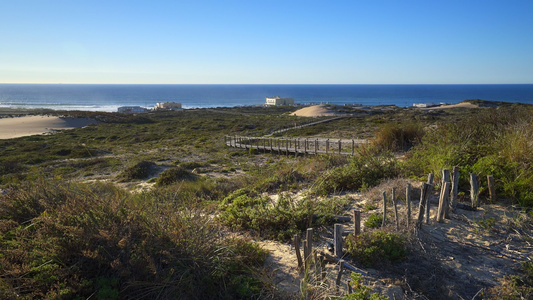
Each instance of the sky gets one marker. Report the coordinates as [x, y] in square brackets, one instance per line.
[266, 42]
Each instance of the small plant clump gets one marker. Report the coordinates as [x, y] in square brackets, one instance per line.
[372, 248]
[173, 175]
[361, 291]
[374, 221]
[139, 170]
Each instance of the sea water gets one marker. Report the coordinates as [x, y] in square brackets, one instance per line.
[108, 97]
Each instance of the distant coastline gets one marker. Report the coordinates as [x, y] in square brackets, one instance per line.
[108, 97]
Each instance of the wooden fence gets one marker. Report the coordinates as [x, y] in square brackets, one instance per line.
[295, 145]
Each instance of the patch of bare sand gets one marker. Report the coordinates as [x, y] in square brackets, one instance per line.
[32, 125]
[315, 111]
[459, 105]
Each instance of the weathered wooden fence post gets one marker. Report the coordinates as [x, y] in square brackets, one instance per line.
[339, 276]
[384, 210]
[297, 248]
[395, 208]
[340, 146]
[305, 147]
[423, 200]
[474, 190]
[337, 236]
[428, 204]
[356, 222]
[443, 201]
[327, 146]
[408, 202]
[309, 238]
[316, 146]
[353, 147]
[492, 188]
[455, 187]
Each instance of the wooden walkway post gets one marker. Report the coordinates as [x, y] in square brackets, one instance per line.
[428, 204]
[455, 187]
[430, 178]
[408, 202]
[337, 236]
[492, 188]
[474, 190]
[384, 210]
[356, 222]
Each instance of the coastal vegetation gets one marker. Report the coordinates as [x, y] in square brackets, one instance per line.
[156, 205]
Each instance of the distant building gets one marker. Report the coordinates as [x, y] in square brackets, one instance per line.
[279, 101]
[168, 106]
[132, 109]
[424, 105]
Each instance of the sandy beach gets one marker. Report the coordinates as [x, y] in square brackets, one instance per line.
[32, 125]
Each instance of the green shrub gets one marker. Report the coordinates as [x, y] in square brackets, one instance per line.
[64, 240]
[280, 219]
[173, 175]
[361, 291]
[191, 165]
[374, 221]
[398, 137]
[363, 171]
[372, 248]
[140, 170]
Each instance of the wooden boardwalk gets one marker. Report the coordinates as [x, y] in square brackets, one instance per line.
[295, 146]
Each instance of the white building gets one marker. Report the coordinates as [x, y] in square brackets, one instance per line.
[132, 109]
[279, 101]
[168, 106]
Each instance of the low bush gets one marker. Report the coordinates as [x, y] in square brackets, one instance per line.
[398, 137]
[372, 248]
[281, 219]
[63, 240]
[514, 286]
[374, 221]
[173, 175]
[362, 171]
[140, 170]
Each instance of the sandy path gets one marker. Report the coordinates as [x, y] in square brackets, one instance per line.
[460, 105]
[32, 125]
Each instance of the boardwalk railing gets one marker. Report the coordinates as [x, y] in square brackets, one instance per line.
[295, 145]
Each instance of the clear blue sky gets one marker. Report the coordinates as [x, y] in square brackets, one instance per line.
[316, 42]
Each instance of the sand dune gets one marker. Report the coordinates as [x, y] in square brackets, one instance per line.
[315, 111]
[32, 125]
[463, 104]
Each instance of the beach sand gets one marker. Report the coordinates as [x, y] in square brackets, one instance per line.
[32, 125]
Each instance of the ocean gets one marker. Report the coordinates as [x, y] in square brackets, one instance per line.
[108, 97]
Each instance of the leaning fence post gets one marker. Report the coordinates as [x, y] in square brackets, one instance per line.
[384, 210]
[492, 188]
[337, 236]
[423, 200]
[297, 248]
[356, 222]
[474, 190]
[408, 200]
